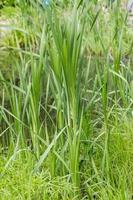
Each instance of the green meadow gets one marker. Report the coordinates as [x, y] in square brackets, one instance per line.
[66, 100]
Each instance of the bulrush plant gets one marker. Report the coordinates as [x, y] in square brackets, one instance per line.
[66, 108]
[37, 73]
[65, 39]
[24, 90]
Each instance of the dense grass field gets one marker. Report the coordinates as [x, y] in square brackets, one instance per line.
[66, 100]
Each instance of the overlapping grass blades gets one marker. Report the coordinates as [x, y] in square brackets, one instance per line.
[66, 109]
[64, 50]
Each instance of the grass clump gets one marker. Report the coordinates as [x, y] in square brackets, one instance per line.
[66, 106]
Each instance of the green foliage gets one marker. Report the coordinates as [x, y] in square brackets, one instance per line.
[7, 2]
[66, 103]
